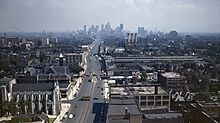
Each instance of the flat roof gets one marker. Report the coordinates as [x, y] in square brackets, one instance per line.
[120, 77]
[145, 90]
[163, 115]
[171, 75]
[120, 101]
[120, 109]
[73, 54]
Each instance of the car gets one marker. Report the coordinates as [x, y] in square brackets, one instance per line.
[70, 116]
[65, 115]
[76, 106]
[75, 115]
[96, 98]
[98, 87]
[90, 80]
[101, 93]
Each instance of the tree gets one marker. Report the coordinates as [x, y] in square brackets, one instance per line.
[76, 69]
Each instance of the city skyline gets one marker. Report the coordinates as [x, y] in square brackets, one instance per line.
[54, 15]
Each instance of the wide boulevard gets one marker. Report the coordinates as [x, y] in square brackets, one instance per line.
[93, 110]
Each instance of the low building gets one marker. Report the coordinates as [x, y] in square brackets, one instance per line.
[11, 41]
[172, 81]
[145, 103]
[45, 41]
[74, 58]
[37, 98]
[123, 111]
[150, 98]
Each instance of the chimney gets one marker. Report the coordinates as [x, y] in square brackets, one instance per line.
[135, 38]
[156, 89]
[131, 38]
[128, 34]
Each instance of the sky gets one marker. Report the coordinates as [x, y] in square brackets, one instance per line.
[69, 15]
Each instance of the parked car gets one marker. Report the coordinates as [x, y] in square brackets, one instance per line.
[65, 115]
[70, 116]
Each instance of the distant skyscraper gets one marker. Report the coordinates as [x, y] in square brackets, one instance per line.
[121, 27]
[173, 34]
[84, 29]
[97, 28]
[141, 31]
[108, 26]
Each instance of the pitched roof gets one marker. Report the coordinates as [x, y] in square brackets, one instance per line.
[55, 69]
[6, 80]
[33, 87]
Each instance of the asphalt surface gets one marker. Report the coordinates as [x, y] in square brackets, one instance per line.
[93, 111]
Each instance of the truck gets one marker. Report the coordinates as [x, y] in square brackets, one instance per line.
[85, 98]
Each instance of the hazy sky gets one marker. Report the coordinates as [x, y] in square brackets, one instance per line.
[68, 15]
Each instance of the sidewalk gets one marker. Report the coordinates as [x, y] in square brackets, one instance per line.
[5, 118]
[65, 106]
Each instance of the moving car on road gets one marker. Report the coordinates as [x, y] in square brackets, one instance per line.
[96, 98]
[85, 98]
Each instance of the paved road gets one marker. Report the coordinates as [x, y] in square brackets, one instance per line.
[85, 111]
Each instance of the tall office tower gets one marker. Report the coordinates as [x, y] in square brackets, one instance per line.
[121, 26]
[97, 28]
[84, 29]
[141, 31]
[108, 26]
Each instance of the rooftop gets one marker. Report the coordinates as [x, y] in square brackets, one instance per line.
[120, 109]
[120, 101]
[142, 90]
[5, 80]
[69, 54]
[171, 75]
[33, 87]
[64, 85]
[118, 106]
[163, 115]
[55, 69]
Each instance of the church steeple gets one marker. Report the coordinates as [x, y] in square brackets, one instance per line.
[61, 59]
